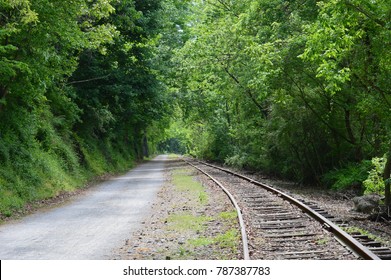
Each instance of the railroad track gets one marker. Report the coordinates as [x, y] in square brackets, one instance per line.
[275, 225]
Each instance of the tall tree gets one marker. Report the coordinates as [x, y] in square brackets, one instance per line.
[349, 44]
[79, 94]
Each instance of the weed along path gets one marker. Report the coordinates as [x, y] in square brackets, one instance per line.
[91, 226]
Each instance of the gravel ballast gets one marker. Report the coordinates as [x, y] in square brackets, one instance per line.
[186, 225]
[215, 236]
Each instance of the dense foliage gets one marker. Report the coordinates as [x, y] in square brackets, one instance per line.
[79, 95]
[297, 88]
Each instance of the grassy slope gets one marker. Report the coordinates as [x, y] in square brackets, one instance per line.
[35, 173]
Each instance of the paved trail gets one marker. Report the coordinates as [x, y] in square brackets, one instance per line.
[90, 227]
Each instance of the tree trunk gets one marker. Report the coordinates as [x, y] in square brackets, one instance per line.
[357, 146]
[145, 146]
[137, 143]
[3, 94]
[227, 113]
[386, 178]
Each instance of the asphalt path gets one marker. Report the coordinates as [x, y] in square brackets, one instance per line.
[89, 227]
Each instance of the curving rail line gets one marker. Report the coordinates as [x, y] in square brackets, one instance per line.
[246, 254]
[355, 246]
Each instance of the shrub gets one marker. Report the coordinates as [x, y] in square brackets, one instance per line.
[237, 160]
[352, 175]
[374, 182]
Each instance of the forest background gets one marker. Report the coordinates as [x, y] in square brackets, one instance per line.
[295, 88]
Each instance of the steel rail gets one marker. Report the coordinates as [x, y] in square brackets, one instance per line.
[343, 236]
[246, 254]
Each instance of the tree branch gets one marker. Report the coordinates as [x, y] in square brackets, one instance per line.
[316, 113]
[367, 14]
[225, 7]
[88, 80]
[371, 84]
[248, 92]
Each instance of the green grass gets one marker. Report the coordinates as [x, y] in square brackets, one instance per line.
[322, 241]
[195, 224]
[201, 241]
[229, 215]
[188, 222]
[195, 196]
[363, 232]
[185, 183]
[228, 240]
[173, 156]
[9, 202]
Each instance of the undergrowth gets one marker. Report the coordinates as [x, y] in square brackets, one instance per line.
[365, 177]
[349, 176]
[51, 165]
